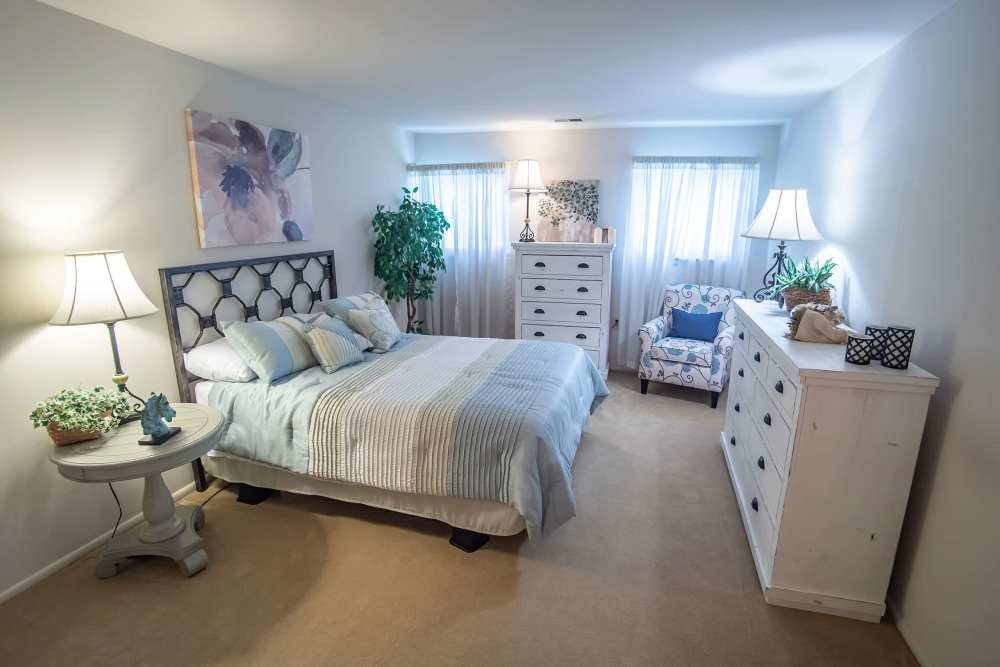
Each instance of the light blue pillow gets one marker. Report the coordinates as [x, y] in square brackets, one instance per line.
[694, 326]
[275, 348]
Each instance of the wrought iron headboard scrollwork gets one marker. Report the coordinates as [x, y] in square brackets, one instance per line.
[292, 283]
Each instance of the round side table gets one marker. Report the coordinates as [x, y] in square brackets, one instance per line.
[167, 530]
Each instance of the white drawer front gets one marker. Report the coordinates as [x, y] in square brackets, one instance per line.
[782, 389]
[564, 265]
[761, 530]
[741, 377]
[764, 474]
[742, 341]
[582, 336]
[548, 311]
[757, 358]
[768, 420]
[554, 288]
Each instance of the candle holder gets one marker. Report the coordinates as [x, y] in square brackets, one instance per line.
[878, 334]
[898, 346]
[859, 349]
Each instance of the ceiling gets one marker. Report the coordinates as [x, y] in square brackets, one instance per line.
[447, 65]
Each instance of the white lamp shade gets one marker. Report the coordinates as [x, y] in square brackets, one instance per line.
[784, 217]
[527, 177]
[99, 287]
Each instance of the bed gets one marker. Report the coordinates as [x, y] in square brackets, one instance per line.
[478, 433]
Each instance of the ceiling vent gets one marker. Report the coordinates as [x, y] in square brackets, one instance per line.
[569, 120]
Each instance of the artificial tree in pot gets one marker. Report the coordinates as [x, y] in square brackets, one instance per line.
[409, 252]
[806, 283]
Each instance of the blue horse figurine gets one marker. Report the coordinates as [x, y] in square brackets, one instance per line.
[155, 416]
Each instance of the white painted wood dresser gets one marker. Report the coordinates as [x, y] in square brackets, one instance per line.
[821, 454]
[563, 294]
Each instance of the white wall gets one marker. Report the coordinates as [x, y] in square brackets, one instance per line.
[901, 165]
[94, 155]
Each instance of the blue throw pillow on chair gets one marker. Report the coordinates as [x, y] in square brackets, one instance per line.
[695, 326]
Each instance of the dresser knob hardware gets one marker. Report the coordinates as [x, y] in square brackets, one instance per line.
[540, 265]
[756, 355]
[539, 288]
[539, 333]
[539, 311]
[732, 441]
[583, 265]
[581, 336]
[760, 462]
[581, 313]
[739, 372]
[582, 289]
[736, 408]
[741, 337]
[779, 387]
[753, 504]
[767, 418]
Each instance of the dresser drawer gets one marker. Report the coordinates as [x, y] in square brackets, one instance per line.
[740, 378]
[761, 529]
[781, 388]
[582, 336]
[757, 358]
[554, 288]
[765, 416]
[565, 265]
[764, 473]
[733, 429]
[742, 341]
[549, 311]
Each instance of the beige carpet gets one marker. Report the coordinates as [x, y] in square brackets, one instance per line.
[654, 570]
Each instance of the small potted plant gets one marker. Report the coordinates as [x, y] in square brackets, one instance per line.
[806, 283]
[75, 415]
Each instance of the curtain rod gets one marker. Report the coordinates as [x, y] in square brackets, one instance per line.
[676, 159]
[453, 167]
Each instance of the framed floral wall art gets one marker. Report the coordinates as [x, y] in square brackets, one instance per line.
[568, 211]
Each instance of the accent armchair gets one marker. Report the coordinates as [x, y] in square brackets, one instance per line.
[682, 361]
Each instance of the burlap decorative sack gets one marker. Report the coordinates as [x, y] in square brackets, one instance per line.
[814, 327]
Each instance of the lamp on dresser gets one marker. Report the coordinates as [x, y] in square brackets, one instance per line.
[99, 288]
[527, 179]
[784, 217]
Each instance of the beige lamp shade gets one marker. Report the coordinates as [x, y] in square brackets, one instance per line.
[784, 217]
[98, 287]
[527, 177]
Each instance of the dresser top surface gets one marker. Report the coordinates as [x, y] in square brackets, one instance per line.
[561, 246]
[823, 357]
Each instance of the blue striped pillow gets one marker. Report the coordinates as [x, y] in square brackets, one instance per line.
[333, 343]
[275, 348]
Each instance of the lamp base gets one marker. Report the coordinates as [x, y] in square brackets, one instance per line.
[527, 236]
[779, 267]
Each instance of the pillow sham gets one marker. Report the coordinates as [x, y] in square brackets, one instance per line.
[333, 343]
[341, 326]
[275, 348]
[694, 326]
[377, 325]
[218, 361]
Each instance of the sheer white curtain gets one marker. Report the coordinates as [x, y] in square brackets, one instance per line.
[474, 295]
[684, 225]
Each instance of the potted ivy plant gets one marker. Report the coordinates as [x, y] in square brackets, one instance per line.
[75, 415]
[806, 283]
[409, 252]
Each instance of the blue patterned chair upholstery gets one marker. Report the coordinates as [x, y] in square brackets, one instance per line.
[685, 362]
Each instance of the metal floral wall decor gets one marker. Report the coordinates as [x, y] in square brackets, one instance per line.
[570, 207]
[252, 183]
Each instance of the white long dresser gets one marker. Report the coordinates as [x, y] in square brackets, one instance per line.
[563, 294]
[821, 454]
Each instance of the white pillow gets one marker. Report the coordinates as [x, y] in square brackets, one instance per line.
[218, 361]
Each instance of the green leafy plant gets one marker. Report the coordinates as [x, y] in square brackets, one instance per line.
[76, 409]
[408, 252]
[813, 277]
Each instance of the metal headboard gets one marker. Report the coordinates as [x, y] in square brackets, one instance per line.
[176, 279]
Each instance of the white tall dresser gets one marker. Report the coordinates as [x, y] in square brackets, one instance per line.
[821, 454]
[563, 294]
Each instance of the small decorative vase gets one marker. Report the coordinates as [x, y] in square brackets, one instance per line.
[878, 334]
[898, 346]
[859, 349]
[796, 295]
[63, 437]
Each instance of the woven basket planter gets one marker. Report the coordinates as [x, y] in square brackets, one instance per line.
[797, 295]
[69, 437]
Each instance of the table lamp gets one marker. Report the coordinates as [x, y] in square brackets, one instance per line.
[99, 288]
[527, 179]
[784, 217]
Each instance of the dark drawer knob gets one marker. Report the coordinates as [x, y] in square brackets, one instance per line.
[740, 372]
[732, 441]
[539, 288]
[756, 355]
[539, 333]
[539, 311]
[581, 336]
[582, 289]
[583, 265]
[767, 418]
[760, 462]
[741, 337]
[581, 313]
[736, 408]
[540, 265]
[753, 504]
[779, 387]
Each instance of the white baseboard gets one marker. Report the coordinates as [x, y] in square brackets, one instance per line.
[900, 622]
[81, 551]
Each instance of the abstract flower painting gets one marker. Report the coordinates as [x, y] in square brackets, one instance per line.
[252, 183]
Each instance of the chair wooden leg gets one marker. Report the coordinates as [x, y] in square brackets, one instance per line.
[714, 398]
[643, 385]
